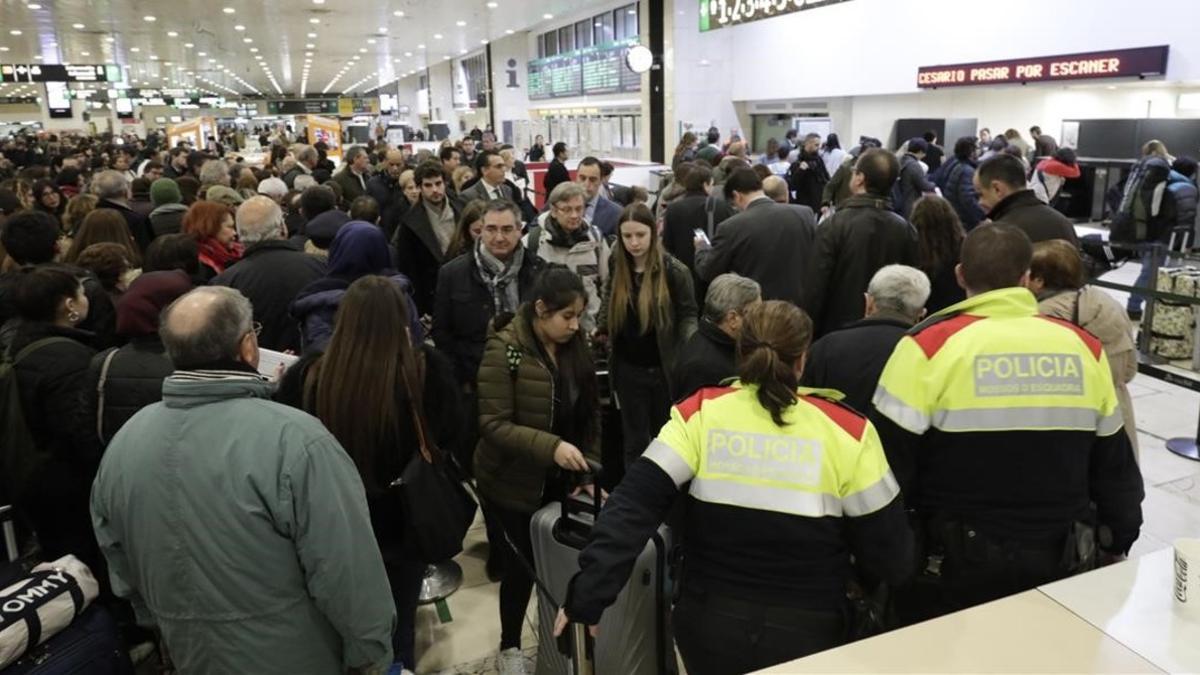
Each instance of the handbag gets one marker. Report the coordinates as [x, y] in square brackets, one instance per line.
[438, 510]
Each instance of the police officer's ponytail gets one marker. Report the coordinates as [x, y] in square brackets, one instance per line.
[774, 335]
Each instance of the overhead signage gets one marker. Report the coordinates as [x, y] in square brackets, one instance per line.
[348, 107]
[592, 70]
[1141, 62]
[53, 72]
[310, 106]
[716, 14]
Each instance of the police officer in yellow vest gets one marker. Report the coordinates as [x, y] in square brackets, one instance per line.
[1003, 428]
[783, 485]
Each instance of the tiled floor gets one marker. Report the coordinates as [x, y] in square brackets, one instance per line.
[468, 643]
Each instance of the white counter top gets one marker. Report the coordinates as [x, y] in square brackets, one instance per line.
[1132, 603]
[1118, 619]
[1024, 633]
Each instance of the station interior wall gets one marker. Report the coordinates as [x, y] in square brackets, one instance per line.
[861, 59]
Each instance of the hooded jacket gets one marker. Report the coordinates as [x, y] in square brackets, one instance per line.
[167, 219]
[516, 413]
[956, 178]
[584, 252]
[239, 527]
[358, 249]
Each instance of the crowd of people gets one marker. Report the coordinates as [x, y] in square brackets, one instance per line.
[789, 341]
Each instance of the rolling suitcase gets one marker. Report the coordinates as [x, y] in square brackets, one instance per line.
[635, 634]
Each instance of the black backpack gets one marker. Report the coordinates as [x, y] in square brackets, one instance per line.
[1136, 216]
[19, 455]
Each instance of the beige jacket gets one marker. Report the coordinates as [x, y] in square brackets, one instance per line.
[1102, 316]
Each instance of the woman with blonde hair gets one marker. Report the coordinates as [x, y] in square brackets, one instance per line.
[647, 314]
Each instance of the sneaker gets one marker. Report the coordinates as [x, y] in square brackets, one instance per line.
[512, 662]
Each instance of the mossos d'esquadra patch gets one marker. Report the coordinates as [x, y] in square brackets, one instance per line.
[1028, 375]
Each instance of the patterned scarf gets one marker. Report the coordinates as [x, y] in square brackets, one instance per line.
[501, 279]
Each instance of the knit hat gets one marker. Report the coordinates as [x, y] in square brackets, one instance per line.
[165, 191]
[223, 195]
[139, 308]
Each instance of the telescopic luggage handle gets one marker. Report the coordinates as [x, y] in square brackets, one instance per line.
[570, 506]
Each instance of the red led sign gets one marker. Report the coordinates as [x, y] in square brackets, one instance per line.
[1142, 62]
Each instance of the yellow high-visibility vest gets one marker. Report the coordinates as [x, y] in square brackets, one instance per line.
[826, 460]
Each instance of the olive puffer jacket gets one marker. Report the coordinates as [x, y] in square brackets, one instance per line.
[516, 413]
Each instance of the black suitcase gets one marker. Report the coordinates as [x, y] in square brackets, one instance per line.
[89, 646]
[635, 634]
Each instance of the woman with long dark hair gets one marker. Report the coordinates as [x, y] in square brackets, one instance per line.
[383, 397]
[649, 311]
[538, 417]
[468, 230]
[940, 235]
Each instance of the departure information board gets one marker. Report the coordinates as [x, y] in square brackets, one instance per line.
[594, 70]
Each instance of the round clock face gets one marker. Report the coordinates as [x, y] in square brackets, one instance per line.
[639, 59]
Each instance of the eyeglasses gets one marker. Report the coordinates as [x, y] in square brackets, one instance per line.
[570, 210]
[256, 328]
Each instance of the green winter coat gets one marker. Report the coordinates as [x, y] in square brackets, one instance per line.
[239, 527]
[516, 413]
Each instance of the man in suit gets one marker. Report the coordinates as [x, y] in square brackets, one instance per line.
[491, 184]
[601, 211]
[767, 242]
[425, 233]
[557, 172]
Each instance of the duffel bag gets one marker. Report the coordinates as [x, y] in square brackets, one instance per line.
[43, 603]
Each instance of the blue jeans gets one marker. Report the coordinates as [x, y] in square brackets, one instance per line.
[1144, 279]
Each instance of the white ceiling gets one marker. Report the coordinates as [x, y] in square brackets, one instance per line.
[182, 44]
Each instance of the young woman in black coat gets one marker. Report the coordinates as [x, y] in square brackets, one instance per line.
[51, 356]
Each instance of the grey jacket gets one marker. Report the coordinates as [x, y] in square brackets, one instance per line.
[767, 242]
[240, 528]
